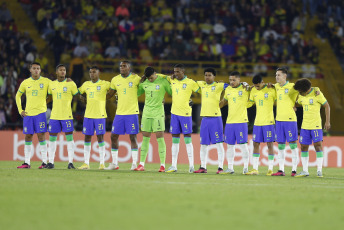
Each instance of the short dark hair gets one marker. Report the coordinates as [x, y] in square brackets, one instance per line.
[35, 63]
[210, 70]
[126, 61]
[283, 70]
[60, 65]
[303, 85]
[149, 71]
[234, 73]
[94, 67]
[180, 66]
[257, 79]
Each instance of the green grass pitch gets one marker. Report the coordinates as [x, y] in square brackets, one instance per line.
[94, 199]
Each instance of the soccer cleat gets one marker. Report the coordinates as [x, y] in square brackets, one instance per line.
[319, 174]
[140, 168]
[278, 173]
[84, 166]
[133, 166]
[50, 166]
[302, 174]
[269, 173]
[219, 170]
[293, 173]
[252, 172]
[201, 170]
[191, 169]
[112, 166]
[227, 171]
[24, 166]
[244, 171]
[71, 166]
[43, 166]
[171, 169]
[101, 167]
[162, 168]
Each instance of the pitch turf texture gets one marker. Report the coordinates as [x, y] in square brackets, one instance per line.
[94, 199]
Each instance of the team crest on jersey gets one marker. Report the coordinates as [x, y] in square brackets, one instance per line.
[41, 85]
[286, 90]
[311, 101]
[266, 95]
[130, 84]
[184, 86]
[64, 89]
[157, 87]
[98, 87]
[213, 88]
[240, 93]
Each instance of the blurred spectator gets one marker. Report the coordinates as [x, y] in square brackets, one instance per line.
[112, 51]
[81, 50]
[5, 14]
[126, 26]
[2, 114]
[122, 11]
[308, 69]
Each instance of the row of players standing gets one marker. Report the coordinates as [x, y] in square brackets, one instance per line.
[129, 86]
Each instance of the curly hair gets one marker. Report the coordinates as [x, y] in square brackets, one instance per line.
[210, 70]
[302, 85]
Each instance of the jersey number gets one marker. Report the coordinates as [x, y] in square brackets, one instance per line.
[260, 102]
[68, 124]
[58, 95]
[34, 92]
[91, 94]
[100, 127]
[234, 99]
[42, 125]
[306, 107]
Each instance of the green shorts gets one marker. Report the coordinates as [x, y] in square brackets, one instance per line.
[153, 125]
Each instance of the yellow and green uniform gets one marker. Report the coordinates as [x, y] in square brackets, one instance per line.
[210, 98]
[286, 98]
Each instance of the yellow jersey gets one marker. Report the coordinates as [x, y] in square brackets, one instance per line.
[210, 98]
[96, 98]
[62, 94]
[238, 102]
[181, 93]
[311, 109]
[126, 88]
[36, 95]
[286, 98]
[264, 100]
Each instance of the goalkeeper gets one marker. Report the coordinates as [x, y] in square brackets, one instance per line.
[153, 118]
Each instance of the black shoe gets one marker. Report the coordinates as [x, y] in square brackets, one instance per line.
[50, 166]
[71, 166]
[43, 166]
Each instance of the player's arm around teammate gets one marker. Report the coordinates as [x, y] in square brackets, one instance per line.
[35, 89]
[311, 129]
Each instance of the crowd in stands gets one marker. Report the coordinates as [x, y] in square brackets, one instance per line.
[222, 30]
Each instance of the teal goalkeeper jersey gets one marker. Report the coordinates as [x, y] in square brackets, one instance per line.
[154, 93]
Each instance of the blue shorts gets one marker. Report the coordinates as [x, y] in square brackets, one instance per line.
[35, 124]
[265, 133]
[180, 124]
[211, 130]
[55, 126]
[125, 124]
[307, 136]
[286, 131]
[237, 132]
[93, 124]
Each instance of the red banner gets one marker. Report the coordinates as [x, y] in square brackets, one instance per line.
[12, 144]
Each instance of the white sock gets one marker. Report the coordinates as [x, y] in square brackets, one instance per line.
[27, 152]
[230, 156]
[101, 154]
[245, 156]
[220, 153]
[255, 160]
[271, 164]
[114, 153]
[70, 149]
[294, 158]
[175, 151]
[281, 158]
[203, 155]
[189, 150]
[51, 151]
[134, 155]
[44, 151]
[87, 153]
[305, 163]
[320, 160]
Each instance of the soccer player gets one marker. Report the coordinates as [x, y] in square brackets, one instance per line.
[181, 119]
[211, 125]
[95, 114]
[61, 93]
[264, 129]
[126, 120]
[236, 131]
[311, 129]
[34, 115]
[153, 116]
[286, 123]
